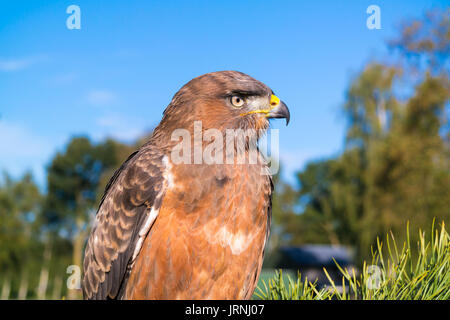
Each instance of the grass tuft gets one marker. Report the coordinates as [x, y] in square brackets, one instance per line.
[395, 275]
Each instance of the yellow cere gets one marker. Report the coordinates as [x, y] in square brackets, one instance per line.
[274, 100]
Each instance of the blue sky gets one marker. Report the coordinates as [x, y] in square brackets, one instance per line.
[115, 76]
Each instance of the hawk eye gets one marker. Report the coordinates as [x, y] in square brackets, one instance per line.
[237, 101]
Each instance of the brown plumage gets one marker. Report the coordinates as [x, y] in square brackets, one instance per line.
[167, 230]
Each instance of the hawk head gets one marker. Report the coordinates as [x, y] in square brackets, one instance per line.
[224, 100]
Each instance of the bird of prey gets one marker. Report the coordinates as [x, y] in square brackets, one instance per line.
[167, 229]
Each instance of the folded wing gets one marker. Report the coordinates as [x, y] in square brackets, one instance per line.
[126, 213]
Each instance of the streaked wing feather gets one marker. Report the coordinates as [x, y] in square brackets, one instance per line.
[135, 188]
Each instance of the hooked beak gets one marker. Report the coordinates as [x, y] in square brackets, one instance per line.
[280, 111]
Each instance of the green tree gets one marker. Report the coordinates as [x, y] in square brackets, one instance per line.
[395, 164]
[20, 208]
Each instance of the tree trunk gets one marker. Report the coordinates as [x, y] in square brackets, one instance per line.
[43, 282]
[23, 288]
[77, 257]
[57, 285]
[43, 279]
[6, 289]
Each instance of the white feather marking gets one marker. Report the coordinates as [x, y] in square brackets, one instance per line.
[144, 230]
[237, 242]
[151, 217]
[168, 172]
[149, 222]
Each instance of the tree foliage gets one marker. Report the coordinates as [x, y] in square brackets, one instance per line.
[395, 164]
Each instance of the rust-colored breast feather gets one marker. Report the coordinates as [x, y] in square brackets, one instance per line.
[208, 240]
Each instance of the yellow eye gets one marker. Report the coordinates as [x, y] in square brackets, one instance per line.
[237, 101]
